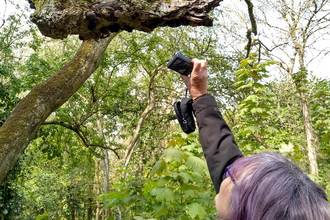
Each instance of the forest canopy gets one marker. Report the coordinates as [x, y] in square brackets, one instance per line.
[94, 135]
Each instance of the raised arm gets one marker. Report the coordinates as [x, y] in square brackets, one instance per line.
[216, 138]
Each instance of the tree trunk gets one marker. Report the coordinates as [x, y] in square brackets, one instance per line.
[99, 123]
[310, 137]
[106, 178]
[33, 110]
[73, 215]
[97, 187]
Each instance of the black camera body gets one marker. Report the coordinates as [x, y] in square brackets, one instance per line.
[183, 109]
[180, 64]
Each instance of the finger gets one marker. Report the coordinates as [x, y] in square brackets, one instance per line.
[186, 80]
[198, 68]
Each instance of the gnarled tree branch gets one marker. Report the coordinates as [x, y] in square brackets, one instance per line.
[94, 20]
[81, 134]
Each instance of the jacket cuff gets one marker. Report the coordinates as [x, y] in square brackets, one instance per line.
[203, 102]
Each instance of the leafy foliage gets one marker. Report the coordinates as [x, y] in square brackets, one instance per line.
[176, 191]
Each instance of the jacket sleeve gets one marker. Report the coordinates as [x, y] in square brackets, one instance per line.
[216, 138]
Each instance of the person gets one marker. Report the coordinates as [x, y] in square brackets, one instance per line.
[264, 186]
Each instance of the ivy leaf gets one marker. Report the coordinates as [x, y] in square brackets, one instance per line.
[113, 202]
[196, 209]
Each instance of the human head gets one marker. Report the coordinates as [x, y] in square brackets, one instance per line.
[270, 187]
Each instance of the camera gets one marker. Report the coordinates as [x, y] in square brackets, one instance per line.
[180, 64]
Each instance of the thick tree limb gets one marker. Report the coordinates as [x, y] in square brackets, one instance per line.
[57, 19]
[33, 110]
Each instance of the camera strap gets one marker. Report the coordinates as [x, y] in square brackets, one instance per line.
[184, 113]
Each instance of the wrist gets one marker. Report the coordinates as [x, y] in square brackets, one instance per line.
[197, 97]
[197, 93]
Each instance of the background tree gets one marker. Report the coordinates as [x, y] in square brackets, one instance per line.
[34, 109]
[290, 33]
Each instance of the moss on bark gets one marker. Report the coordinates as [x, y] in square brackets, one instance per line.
[33, 110]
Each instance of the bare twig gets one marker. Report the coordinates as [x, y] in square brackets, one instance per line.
[4, 15]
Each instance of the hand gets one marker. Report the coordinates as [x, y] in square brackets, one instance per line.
[197, 82]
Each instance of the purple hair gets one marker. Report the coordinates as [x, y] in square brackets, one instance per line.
[270, 187]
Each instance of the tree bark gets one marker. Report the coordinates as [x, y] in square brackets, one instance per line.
[33, 110]
[310, 137]
[58, 19]
[99, 123]
[97, 187]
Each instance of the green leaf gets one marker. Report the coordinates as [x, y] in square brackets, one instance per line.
[162, 210]
[185, 177]
[253, 98]
[286, 148]
[256, 110]
[327, 121]
[325, 137]
[271, 130]
[163, 194]
[113, 202]
[196, 164]
[159, 167]
[164, 180]
[240, 71]
[40, 217]
[172, 154]
[189, 193]
[252, 128]
[196, 209]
